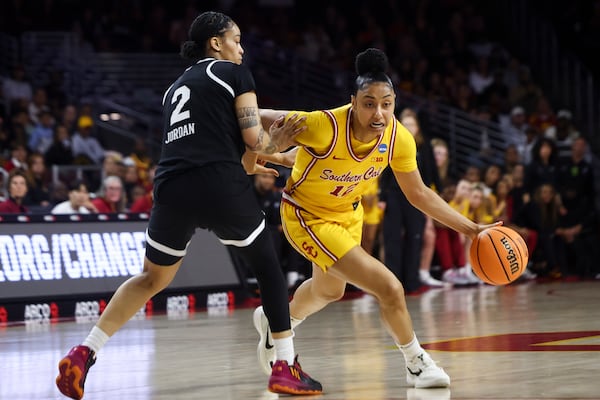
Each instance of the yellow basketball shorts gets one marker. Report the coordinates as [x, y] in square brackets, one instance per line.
[321, 241]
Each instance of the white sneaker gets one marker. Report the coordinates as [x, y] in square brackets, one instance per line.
[452, 276]
[266, 348]
[528, 275]
[292, 278]
[422, 372]
[468, 274]
[427, 279]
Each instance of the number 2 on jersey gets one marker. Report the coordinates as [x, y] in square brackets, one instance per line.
[339, 192]
[181, 96]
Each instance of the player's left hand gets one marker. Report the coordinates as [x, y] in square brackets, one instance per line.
[253, 165]
[483, 227]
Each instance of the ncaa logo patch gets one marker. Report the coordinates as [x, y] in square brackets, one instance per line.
[382, 148]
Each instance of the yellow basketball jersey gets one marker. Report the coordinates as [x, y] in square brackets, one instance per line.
[333, 170]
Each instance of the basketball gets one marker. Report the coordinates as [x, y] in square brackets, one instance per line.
[499, 255]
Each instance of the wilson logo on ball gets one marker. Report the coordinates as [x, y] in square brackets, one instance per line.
[511, 256]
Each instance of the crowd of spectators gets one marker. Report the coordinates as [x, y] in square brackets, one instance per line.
[440, 50]
[39, 133]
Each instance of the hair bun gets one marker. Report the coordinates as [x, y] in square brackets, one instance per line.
[190, 50]
[372, 61]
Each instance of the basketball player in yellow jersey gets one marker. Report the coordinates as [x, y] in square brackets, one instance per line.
[340, 153]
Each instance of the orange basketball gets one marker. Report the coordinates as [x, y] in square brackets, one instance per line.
[499, 255]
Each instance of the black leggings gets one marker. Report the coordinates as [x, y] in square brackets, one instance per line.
[260, 255]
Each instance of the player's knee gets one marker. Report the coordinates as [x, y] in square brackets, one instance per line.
[391, 294]
[155, 278]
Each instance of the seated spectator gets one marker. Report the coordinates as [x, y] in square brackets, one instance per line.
[17, 190]
[113, 164]
[134, 194]
[38, 195]
[442, 161]
[131, 179]
[575, 184]
[69, 118]
[491, 175]
[514, 131]
[143, 203]
[60, 152]
[543, 117]
[41, 136]
[479, 207]
[511, 158]
[499, 200]
[17, 87]
[18, 158]
[472, 174]
[38, 105]
[141, 159]
[20, 126]
[537, 222]
[563, 134]
[86, 148]
[543, 168]
[79, 200]
[518, 195]
[111, 198]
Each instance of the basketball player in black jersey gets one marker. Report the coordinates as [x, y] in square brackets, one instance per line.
[211, 127]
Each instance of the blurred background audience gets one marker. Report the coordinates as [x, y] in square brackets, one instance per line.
[498, 139]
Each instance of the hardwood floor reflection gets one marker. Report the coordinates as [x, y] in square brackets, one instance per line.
[530, 341]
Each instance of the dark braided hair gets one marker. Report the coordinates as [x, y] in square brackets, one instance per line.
[206, 25]
[370, 66]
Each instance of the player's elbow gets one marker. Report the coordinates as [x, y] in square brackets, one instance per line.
[417, 196]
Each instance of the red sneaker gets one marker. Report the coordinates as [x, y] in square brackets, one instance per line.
[73, 370]
[288, 379]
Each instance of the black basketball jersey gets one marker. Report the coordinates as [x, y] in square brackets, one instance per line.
[200, 123]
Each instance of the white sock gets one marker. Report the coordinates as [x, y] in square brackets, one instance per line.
[295, 322]
[96, 339]
[411, 349]
[285, 349]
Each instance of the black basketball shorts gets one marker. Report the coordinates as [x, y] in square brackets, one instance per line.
[217, 197]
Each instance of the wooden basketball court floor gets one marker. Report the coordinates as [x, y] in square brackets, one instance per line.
[528, 341]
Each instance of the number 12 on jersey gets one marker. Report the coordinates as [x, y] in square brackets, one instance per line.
[341, 191]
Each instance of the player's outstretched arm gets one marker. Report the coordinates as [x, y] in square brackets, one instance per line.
[426, 200]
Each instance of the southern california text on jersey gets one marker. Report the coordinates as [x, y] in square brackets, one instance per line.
[333, 169]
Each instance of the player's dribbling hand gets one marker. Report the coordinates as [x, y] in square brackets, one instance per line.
[483, 227]
[254, 166]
